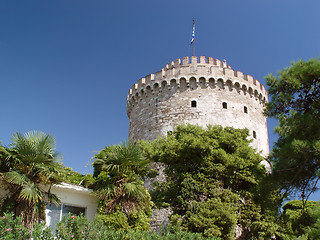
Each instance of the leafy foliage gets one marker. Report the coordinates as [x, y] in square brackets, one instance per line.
[73, 227]
[300, 220]
[41, 232]
[215, 181]
[295, 102]
[76, 178]
[11, 228]
[80, 228]
[124, 201]
[121, 160]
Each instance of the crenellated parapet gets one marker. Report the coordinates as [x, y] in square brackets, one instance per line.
[207, 72]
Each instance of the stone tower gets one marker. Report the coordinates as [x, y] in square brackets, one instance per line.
[201, 91]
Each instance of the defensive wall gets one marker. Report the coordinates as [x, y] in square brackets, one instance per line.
[198, 91]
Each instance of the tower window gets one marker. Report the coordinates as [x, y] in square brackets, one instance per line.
[224, 105]
[245, 109]
[254, 134]
[193, 103]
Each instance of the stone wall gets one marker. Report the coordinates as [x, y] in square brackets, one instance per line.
[202, 93]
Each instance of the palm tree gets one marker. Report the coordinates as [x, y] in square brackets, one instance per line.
[119, 171]
[121, 161]
[28, 165]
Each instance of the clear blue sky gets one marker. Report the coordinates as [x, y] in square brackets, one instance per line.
[66, 66]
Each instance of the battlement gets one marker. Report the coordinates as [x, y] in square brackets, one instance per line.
[194, 60]
[205, 71]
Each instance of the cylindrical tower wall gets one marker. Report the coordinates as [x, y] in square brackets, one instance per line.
[197, 92]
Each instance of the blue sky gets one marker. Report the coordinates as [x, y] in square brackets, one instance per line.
[66, 66]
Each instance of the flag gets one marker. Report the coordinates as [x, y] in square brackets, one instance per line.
[193, 32]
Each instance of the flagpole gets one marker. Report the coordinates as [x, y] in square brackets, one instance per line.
[193, 37]
[193, 29]
[193, 49]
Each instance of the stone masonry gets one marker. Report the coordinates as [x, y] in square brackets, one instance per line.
[201, 91]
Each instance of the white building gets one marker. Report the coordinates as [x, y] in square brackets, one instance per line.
[75, 199]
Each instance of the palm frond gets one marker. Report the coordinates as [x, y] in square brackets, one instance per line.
[106, 193]
[130, 189]
[8, 157]
[33, 144]
[16, 178]
[46, 144]
[111, 167]
[123, 158]
[137, 194]
[21, 145]
[31, 193]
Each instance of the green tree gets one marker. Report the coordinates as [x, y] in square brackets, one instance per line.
[295, 102]
[124, 201]
[215, 182]
[27, 165]
[300, 220]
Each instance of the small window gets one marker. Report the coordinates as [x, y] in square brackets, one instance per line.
[224, 105]
[245, 109]
[193, 103]
[254, 134]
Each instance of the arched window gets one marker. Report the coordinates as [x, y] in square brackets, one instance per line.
[245, 109]
[193, 103]
[183, 84]
[224, 105]
[202, 82]
[193, 83]
[211, 83]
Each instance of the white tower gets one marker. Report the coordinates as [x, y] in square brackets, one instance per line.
[200, 92]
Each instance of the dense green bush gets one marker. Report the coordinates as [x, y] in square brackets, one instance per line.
[73, 227]
[41, 232]
[300, 220]
[215, 182]
[80, 228]
[11, 228]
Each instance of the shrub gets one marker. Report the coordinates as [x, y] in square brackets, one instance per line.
[12, 228]
[80, 228]
[73, 227]
[42, 232]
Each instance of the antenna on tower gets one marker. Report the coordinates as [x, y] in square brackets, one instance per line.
[193, 36]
